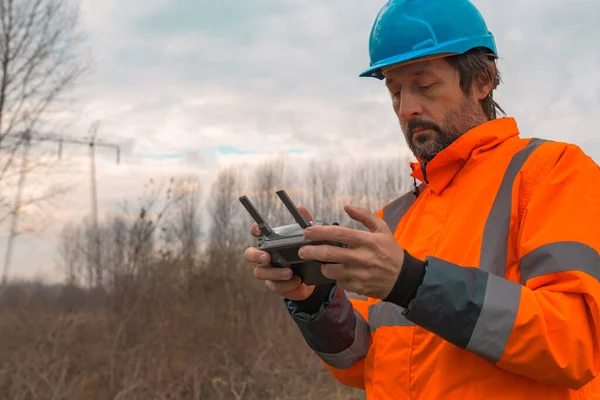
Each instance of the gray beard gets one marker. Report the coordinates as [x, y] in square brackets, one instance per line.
[432, 148]
[467, 118]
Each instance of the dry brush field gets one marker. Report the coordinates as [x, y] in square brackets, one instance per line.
[217, 336]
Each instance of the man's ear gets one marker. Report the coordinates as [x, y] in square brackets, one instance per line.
[484, 86]
[486, 83]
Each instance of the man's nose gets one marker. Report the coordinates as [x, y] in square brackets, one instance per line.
[410, 107]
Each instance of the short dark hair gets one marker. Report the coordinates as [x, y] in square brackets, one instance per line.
[479, 65]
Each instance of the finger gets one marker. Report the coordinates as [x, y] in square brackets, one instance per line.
[338, 272]
[332, 254]
[283, 287]
[304, 211]
[269, 273]
[367, 218]
[340, 234]
[302, 292]
[254, 230]
[254, 255]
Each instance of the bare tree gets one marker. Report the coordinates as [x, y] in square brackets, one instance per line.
[312, 198]
[146, 220]
[183, 230]
[323, 190]
[127, 241]
[229, 221]
[268, 178]
[70, 252]
[360, 189]
[77, 249]
[394, 179]
[40, 60]
[110, 257]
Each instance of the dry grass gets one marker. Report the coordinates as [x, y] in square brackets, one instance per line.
[213, 334]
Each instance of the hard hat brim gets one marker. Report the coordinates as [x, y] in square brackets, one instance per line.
[458, 46]
[387, 68]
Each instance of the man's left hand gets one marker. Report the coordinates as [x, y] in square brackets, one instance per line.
[369, 266]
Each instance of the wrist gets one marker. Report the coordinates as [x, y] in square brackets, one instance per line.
[410, 278]
[313, 303]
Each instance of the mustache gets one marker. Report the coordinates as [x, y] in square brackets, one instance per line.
[421, 124]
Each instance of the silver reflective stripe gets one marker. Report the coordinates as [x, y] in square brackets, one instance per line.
[496, 319]
[384, 313]
[494, 248]
[395, 210]
[560, 257]
[355, 296]
[356, 351]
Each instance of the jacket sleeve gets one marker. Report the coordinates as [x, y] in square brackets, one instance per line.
[547, 326]
[338, 333]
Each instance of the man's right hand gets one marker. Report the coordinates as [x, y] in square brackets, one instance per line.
[278, 280]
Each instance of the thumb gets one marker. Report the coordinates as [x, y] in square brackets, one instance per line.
[367, 218]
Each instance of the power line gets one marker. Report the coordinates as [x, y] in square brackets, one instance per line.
[28, 137]
[63, 139]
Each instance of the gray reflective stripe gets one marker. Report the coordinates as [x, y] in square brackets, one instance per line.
[357, 350]
[355, 296]
[384, 313]
[560, 257]
[501, 301]
[468, 307]
[449, 300]
[494, 247]
[395, 210]
[496, 318]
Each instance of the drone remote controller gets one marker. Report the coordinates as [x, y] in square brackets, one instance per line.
[283, 242]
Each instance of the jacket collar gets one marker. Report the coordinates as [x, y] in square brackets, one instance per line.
[441, 170]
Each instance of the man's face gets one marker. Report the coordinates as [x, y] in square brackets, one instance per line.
[432, 109]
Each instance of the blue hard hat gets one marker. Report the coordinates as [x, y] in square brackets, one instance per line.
[406, 30]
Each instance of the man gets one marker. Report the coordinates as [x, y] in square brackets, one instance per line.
[482, 283]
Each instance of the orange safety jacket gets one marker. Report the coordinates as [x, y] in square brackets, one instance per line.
[508, 308]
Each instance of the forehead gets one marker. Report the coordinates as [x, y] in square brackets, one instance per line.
[437, 67]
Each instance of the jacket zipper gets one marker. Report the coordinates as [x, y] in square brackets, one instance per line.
[424, 170]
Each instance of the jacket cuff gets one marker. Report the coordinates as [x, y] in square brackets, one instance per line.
[410, 278]
[314, 302]
[337, 333]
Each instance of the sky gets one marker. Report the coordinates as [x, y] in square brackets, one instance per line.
[185, 86]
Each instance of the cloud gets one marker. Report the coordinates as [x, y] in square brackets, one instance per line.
[549, 57]
[265, 71]
[263, 74]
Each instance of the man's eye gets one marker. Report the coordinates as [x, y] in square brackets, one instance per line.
[426, 87]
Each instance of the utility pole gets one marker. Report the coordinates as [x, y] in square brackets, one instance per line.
[15, 212]
[94, 195]
[92, 142]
